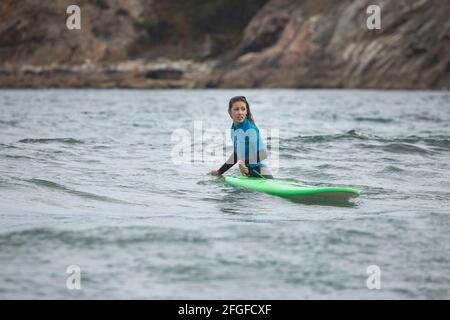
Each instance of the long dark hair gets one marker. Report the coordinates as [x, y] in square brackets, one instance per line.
[243, 99]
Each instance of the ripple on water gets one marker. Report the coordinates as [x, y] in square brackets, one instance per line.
[53, 140]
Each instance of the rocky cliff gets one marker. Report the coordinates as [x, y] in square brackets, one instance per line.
[218, 43]
[324, 43]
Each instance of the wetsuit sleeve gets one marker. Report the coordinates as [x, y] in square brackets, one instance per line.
[261, 149]
[261, 155]
[228, 164]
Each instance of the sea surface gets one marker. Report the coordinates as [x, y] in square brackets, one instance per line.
[114, 184]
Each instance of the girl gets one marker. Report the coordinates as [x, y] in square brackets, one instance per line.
[248, 146]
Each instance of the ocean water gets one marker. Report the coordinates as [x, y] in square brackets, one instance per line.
[91, 179]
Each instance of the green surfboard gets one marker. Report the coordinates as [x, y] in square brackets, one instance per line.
[293, 190]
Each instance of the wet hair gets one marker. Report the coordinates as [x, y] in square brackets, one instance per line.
[243, 99]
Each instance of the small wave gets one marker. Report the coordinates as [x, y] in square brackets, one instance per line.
[7, 146]
[11, 123]
[87, 195]
[289, 150]
[404, 148]
[349, 135]
[435, 141]
[423, 117]
[288, 155]
[17, 157]
[140, 125]
[392, 169]
[373, 119]
[404, 144]
[47, 183]
[326, 166]
[100, 236]
[55, 140]
[401, 148]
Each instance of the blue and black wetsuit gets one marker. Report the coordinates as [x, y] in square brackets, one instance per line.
[248, 146]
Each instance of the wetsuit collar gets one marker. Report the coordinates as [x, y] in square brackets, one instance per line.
[240, 125]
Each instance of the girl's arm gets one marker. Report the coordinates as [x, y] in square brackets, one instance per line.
[227, 165]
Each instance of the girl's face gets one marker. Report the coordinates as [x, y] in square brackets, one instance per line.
[238, 112]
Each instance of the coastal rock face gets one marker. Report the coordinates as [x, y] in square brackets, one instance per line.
[35, 33]
[122, 43]
[324, 43]
[275, 43]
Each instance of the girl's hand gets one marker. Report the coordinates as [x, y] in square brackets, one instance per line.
[243, 168]
[215, 173]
